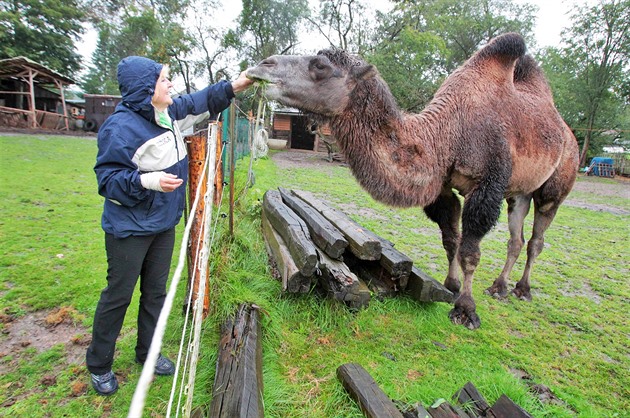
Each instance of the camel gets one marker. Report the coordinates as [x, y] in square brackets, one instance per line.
[491, 132]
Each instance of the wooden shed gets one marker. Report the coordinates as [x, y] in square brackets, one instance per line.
[98, 107]
[296, 128]
[27, 98]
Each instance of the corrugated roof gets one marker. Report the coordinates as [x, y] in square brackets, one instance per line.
[15, 67]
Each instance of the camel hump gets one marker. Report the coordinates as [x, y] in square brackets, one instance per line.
[527, 69]
[506, 48]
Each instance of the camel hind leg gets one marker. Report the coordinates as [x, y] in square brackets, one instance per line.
[518, 208]
[547, 200]
[543, 216]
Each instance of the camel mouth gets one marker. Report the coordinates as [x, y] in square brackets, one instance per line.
[261, 79]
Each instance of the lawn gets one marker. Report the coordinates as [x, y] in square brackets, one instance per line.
[573, 338]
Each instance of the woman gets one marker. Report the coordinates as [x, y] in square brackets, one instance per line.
[142, 168]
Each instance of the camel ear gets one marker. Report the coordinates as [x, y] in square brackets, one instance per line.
[363, 72]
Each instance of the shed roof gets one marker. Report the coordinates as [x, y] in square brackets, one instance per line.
[16, 67]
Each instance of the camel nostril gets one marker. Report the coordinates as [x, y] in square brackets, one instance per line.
[268, 62]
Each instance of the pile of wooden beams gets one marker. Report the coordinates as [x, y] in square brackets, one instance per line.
[315, 245]
[466, 403]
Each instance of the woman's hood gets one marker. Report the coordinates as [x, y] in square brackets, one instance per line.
[137, 77]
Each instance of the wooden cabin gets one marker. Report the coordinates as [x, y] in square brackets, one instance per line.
[300, 133]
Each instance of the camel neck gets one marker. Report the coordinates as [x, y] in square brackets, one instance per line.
[394, 156]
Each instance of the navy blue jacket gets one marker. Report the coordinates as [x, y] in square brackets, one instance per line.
[130, 143]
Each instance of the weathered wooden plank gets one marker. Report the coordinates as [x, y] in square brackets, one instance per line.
[471, 399]
[425, 288]
[364, 390]
[362, 242]
[377, 279]
[324, 234]
[292, 280]
[342, 284]
[395, 262]
[416, 411]
[238, 385]
[504, 407]
[445, 410]
[293, 231]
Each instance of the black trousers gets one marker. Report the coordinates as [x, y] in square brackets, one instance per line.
[128, 258]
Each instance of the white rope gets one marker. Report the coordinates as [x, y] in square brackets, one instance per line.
[198, 308]
[259, 146]
[198, 262]
[139, 396]
[186, 371]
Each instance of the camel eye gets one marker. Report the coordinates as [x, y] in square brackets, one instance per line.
[319, 69]
[318, 64]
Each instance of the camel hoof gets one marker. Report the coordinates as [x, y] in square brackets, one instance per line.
[524, 295]
[497, 292]
[459, 316]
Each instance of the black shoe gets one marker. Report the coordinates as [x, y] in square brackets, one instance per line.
[163, 366]
[105, 384]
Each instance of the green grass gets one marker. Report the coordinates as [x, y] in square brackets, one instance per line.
[573, 337]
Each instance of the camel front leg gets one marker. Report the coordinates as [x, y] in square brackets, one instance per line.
[518, 208]
[446, 211]
[481, 212]
[465, 310]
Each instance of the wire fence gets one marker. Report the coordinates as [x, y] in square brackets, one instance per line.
[242, 137]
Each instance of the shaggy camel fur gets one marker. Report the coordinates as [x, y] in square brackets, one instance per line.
[491, 132]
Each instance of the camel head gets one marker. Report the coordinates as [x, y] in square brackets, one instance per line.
[321, 84]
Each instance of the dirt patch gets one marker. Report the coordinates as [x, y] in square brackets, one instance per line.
[42, 330]
[542, 392]
[294, 159]
[585, 291]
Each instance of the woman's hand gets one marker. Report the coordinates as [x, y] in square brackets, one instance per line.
[160, 181]
[170, 182]
[242, 82]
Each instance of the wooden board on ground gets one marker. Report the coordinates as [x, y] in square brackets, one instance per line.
[396, 263]
[324, 234]
[364, 390]
[446, 410]
[292, 280]
[377, 279]
[425, 288]
[472, 399]
[342, 284]
[238, 385]
[293, 231]
[362, 242]
[504, 407]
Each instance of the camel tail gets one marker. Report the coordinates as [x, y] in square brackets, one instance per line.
[509, 47]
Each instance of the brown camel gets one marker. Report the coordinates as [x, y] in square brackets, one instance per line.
[491, 132]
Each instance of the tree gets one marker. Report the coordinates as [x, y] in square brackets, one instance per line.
[464, 26]
[268, 27]
[596, 57]
[412, 66]
[42, 30]
[344, 23]
[133, 28]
